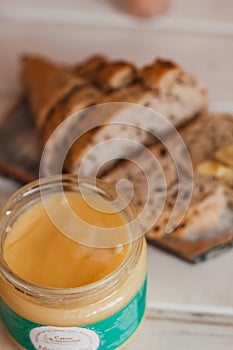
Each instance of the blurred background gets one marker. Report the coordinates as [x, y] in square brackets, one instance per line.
[198, 35]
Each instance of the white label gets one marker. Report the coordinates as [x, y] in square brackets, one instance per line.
[64, 338]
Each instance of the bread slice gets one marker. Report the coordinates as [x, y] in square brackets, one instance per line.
[109, 111]
[160, 69]
[210, 212]
[114, 75]
[46, 84]
[78, 99]
[176, 94]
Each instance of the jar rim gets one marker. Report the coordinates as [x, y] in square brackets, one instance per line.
[50, 293]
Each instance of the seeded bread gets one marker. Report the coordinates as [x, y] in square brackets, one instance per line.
[210, 211]
[176, 95]
[105, 113]
[163, 87]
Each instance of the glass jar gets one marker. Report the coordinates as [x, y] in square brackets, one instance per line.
[101, 315]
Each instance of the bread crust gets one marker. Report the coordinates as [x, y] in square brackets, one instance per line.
[78, 99]
[87, 68]
[151, 75]
[107, 75]
[46, 83]
[115, 75]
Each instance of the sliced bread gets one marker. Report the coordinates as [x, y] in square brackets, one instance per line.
[177, 96]
[56, 93]
[209, 213]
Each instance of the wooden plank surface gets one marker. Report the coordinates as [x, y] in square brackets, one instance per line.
[157, 334]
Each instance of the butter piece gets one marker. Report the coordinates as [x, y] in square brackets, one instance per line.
[225, 155]
[211, 168]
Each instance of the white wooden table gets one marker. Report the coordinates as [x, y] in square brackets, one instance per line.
[189, 307]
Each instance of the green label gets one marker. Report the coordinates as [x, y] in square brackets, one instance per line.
[108, 334]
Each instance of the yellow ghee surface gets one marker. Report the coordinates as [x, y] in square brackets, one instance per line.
[37, 251]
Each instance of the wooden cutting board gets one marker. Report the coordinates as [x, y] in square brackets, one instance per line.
[20, 148]
[20, 152]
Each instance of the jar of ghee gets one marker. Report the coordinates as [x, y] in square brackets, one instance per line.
[56, 293]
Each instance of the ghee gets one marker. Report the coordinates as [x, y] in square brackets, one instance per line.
[38, 252]
[59, 294]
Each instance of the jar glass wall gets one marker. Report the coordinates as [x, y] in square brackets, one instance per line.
[100, 315]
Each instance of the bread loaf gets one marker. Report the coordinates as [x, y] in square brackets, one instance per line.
[55, 93]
